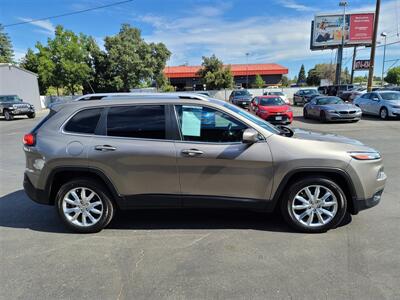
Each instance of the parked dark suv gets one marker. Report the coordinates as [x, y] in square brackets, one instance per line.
[185, 150]
[240, 98]
[12, 105]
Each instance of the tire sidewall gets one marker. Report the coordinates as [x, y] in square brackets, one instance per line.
[380, 113]
[108, 205]
[8, 116]
[299, 185]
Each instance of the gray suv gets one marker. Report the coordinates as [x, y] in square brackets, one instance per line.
[89, 158]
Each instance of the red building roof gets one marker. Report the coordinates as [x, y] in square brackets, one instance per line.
[237, 70]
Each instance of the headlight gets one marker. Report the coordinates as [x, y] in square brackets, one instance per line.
[395, 106]
[361, 155]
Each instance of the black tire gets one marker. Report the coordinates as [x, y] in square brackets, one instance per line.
[383, 113]
[296, 187]
[8, 116]
[305, 114]
[31, 115]
[322, 117]
[109, 207]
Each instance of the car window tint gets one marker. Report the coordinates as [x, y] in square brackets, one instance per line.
[204, 124]
[139, 121]
[84, 121]
[366, 96]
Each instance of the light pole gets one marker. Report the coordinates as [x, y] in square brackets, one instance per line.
[247, 70]
[383, 34]
[340, 49]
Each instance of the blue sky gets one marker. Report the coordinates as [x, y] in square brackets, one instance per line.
[270, 30]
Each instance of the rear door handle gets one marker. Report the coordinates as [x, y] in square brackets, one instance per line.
[192, 152]
[104, 148]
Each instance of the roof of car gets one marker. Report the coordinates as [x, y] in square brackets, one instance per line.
[142, 98]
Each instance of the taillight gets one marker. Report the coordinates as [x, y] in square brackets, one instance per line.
[29, 139]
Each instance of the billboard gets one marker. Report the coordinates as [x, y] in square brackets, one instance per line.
[361, 64]
[326, 31]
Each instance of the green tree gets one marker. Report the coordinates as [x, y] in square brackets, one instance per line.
[131, 60]
[63, 62]
[214, 74]
[285, 81]
[302, 76]
[6, 49]
[313, 78]
[393, 75]
[258, 82]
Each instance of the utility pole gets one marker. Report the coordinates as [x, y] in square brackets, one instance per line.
[247, 70]
[383, 34]
[353, 64]
[373, 46]
[340, 49]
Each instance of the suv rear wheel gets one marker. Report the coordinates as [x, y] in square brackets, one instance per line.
[314, 205]
[84, 206]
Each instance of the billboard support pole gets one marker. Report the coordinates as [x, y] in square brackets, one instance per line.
[339, 64]
[340, 49]
[373, 46]
[352, 65]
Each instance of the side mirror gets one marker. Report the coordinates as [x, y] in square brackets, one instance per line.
[250, 136]
[375, 99]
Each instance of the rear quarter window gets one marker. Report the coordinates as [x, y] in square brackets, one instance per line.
[84, 121]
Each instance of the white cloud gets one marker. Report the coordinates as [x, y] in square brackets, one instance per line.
[294, 5]
[269, 39]
[45, 26]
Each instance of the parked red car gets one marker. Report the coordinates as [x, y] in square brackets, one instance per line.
[272, 109]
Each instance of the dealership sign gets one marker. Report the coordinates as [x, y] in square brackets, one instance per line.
[327, 30]
[361, 64]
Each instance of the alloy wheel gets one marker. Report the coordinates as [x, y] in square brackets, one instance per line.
[314, 206]
[82, 206]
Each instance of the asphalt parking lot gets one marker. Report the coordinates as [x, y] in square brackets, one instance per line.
[199, 254]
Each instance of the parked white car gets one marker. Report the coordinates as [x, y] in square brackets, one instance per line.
[282, 95]
[384, 104]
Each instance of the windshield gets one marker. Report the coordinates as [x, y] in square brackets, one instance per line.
[271, 101]
[242, 93]
[330, 100]
[310, 92]
[391, 96]
[276, 93]
[252, 118]
[11, 98]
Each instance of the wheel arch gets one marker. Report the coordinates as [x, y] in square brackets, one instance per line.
[61, 175]
[337, 175]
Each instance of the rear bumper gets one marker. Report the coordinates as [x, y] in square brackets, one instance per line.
[36, 195]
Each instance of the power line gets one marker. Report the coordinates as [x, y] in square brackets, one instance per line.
[68, 14]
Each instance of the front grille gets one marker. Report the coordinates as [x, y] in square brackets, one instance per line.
[347, 112]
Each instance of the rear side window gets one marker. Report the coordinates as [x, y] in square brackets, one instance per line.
[84, 121]
[139, 121]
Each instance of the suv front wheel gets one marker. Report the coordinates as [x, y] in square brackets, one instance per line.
[314, 205]
[84, 205]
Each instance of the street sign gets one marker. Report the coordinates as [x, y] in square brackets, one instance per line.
[361, 64]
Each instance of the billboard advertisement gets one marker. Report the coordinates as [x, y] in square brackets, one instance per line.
[361, 64]
[326, 31]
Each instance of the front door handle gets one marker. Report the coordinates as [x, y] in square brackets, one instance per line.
[104, 148]
[192, 152]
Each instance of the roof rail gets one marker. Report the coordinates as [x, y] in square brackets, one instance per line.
[192, 96]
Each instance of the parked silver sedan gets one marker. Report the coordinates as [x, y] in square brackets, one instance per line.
[330, 108]
[384, 104]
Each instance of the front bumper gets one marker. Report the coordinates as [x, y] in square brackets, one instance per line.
[20, 111]
[394, 112]
[36, 195]
[362, 204]
[282, 118]
[243, 104]
[330, 116]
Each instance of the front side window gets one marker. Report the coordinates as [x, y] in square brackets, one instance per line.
[204, 124]
[84, 121]
[139, 121]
